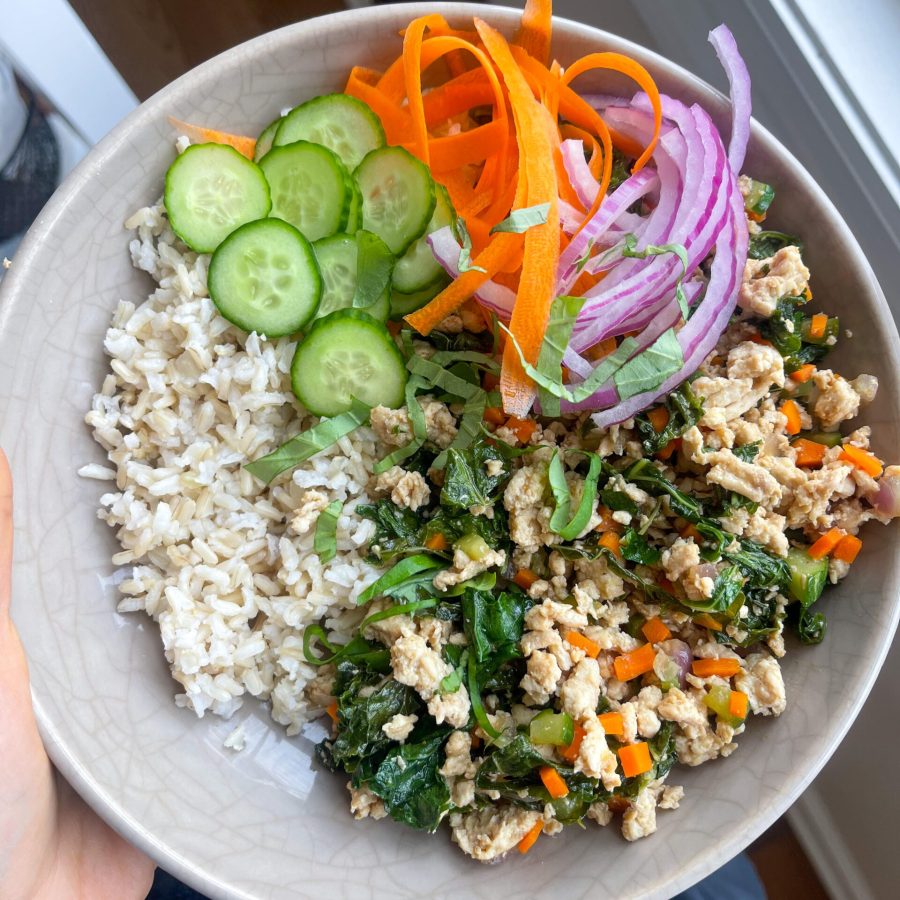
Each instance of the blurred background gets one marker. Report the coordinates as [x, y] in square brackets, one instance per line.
[824, 81]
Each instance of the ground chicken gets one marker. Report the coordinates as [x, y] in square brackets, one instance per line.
[464, 567]
[414, 663]
[407, 489]
[595, 759]
[766, 281]
[489, 833]
[364, 804]
[752, 371]
[393, 428]
[580, 692]
[525, 500]
[639, 819]
[837, 400]
[678, 559]
[399, 727]
[761, 681]
[311, 504]
[542, 674]
[695, 740]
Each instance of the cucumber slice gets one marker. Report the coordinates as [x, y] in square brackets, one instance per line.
[336, 121]
[347, 354]
[211, 190]
[354, 216]
[403, 304]
[397, 197]
[310, 188]
[264, 278]
[338, 260]
[265, 139]
[417, 268]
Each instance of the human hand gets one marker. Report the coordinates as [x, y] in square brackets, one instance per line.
[53, 846]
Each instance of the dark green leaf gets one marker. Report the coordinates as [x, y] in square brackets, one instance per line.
[466, 479]
[361, 714]
[408, 782]
[768, 243]
[635, 549]
[388, 583]
[685, 410]
[396, 530]
[748, 452]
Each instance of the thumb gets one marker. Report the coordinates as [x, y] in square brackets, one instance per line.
[6, 534]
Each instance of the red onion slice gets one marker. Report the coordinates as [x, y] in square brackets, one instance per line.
[739, 85]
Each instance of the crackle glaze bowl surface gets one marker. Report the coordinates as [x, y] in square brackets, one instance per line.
[268, 822]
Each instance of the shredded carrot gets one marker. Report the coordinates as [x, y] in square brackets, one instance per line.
[804, 373]
[493, 415]
[523, 428]
[332, 711]
[826, 543]
[198, 134]
[553, 781]
[610, 540]
[655, 630]
[590, 647]
[616, 62]
[659, 418]
[537, 288]
[612, 723]
[636, 662]
[863, 460]
[817, 325]
[691, 531]
[809, 453]
[738, 703]
[791, 412]
[396, 122]
[570, 752]
[436, 541]
[534, 32]
[534, 833]
[669, 449]
[705, 620]
[848, 548]
[635, 759]
[725, 667]
[525, 578]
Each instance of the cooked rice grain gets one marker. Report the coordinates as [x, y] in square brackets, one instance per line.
[217, 559]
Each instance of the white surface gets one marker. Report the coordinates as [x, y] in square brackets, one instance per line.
[53, 50]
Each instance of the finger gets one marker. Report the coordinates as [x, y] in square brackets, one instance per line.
[6, 533]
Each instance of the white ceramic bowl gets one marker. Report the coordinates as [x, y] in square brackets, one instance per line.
[268, 822]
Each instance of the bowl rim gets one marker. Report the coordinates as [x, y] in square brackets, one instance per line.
[78, 774]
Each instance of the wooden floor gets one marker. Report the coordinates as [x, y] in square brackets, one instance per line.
[152, 42]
